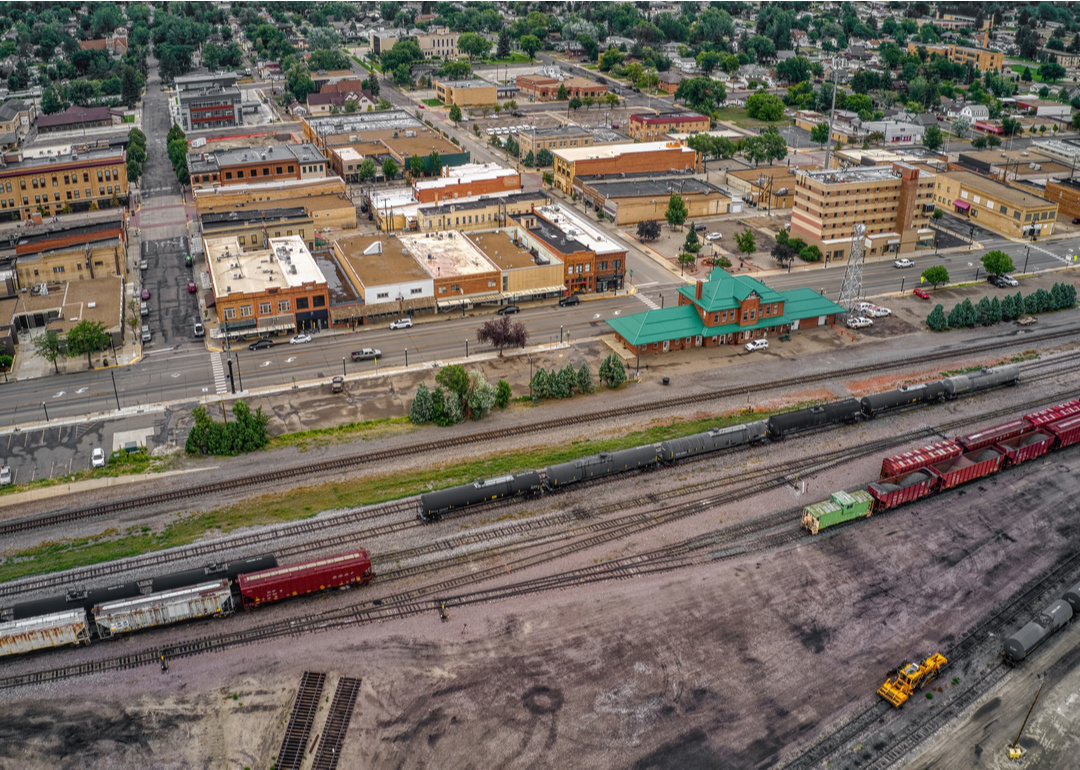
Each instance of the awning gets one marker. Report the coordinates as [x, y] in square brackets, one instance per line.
[468, 299]
[962, 205]
[530, 292]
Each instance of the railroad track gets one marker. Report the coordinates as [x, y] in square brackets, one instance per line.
[298, 730]
[15, 526]
[337, 724]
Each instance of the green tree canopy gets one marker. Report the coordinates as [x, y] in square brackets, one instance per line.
[997, 262]
[936, 275]
[676, 211]
[87, 337]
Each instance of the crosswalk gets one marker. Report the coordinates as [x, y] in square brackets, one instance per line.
[649, 302]
[220, 384]
[1052, 254]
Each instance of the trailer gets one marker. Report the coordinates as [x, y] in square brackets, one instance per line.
[272, 585]
[162, 609]
[914, 459]
[41, 633]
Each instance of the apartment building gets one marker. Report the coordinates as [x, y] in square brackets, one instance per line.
[54, 184]
[894, 203]
[994, 206]
[622, 159]
[651, 128]
[981, 59]
[466, 93]
[255, 164]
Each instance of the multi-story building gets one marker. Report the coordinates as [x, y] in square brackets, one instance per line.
[1066, 194]
[325, 200]
[893, 203]
[439, 43]
[541, 88]
[329, 102]
[768, 187]
[528, 273]
[981, 59]
[204, 81]
[16, 117]
[72, 252]
[636, 198]
[273, 290]
[460, 273]
[725, 309]
[651, 128]
[383, 40]
[58, 183]
[467, 181]
[255, 164]
[1068, 60]
[483, 213]
[997, 207]
[557, 138]
[622, 159]
[210, 108]
[253, 228]
[466, 93]
[593, 262]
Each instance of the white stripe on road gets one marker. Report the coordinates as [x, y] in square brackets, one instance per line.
[643, 285]
[1050, 253]
[219, 373]
[648, 302]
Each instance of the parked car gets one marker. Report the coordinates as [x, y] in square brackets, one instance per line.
[187, 261]
[300, 339]
[146, 334]
[337, 384]
[714, 236]
[573, 299]
[97, 457]
[401, 323]
[5, 475]
[921, 293]
[879, 312]
[1027, 320]
[752, 345]
[262, 344]
[191, 287]
[365, 354]
[700, 228]
[509, 310]
[145, 294]
[856, 322]
[144, 309]
[1002, 281]
[862, 307]
[143, 264]
[198, 329]
[905, 262]
[1076, 220]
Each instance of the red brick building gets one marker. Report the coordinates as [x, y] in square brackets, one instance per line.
[467, 181]
[651, 128]
[544, 89]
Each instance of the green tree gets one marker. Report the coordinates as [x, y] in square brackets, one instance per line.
[502, 48]
[544, 158]
[575, 103]
[982, 312]
[530, 159]
[366, 171]
[549, 178]
[530, 44]
[995, 311]
[50, 101]
[433, 164]
[134, 170]
[390, 168]
[707, 61]
[686, 259]
[810, 253]
[612, 371]
[820, 133]
[610, 59]
[937, 320]
[480, 399]
[648, 230]
[502, 394]
[692, 244]
[676, 211]
[932, 139]
[539, 384]
[936, 275]
[455, 113]
[473, 45]
[455, 379]
[562, 94]
[5, 362]
[745, 242]
[131, 85]
[585, 380]
[423, 408]
[763, 106]
[416, 166]
[50, 346]
[997, 262]
[87, 337]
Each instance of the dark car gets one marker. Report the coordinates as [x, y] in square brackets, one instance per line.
[1076, 220]
[261, 344]
[145, 294]
[509, 310]
[998, 280]
[571, 300]
[187, 261]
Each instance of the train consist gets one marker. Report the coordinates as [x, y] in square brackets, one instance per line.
[918, 473]
[1046, 623]
[80, 617]
[434, 504]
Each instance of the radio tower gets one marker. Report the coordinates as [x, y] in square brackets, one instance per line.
[851, 289]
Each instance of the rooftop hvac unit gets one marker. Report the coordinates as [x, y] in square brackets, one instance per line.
[228, 289]
[91, 304]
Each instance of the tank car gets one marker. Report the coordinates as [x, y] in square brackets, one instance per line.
[74, 600]
[712, 441]
[846, 411]
[210, 572]
[963, 384]
[926, 393]
[1023, 642]
[601, 465]
[434, 504]
[1072, 596]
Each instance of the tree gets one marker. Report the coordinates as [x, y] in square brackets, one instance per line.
[539, 384]
[938, 214]
[433, 164]
[820, 133]
[454, 378]
[549, 178]
[692, 243]
[544, 158]
[676, 211]
[131, 85]
[501, 333]
[584, 380]
[502, 48]
[612, 371]
[562, 94]
[575, 103]
[50, 101]
[455, 70]
[707, 61]
[648, 230]
[982, 312]
[530, 44]
[995, 311]
[455, 113]
[50, 347]
[997, 262]
[686, 259]
[5, 362]
[366, 171]
[134, 170]
[610, 59]
[480, 399]
[702, 94]
[745, 242]
[937, 320]
[87, 337]
[767, 146]
[763, 106]
[390, 168]
[932, 139]
[475, 46]
[423, 407]
[961, 126]
[1051, 71]
[503, 393]
[936, 275]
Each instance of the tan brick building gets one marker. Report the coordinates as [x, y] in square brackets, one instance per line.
[768, 187]
[466, 93]
[551, 139]
[486, 213]
[997, 207]
[1066, 194]
[81, 253]
[622, 158]
[324, 199]
[651, 128]
[58, 183]
[253, 228]
[256, 164]
[894, 204]
[524, 276]
[982, 59]
[541, 88]
[636, 198]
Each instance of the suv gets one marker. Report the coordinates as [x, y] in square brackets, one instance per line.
[573, 299]
[367, 354]
[752, 345]
[198, 328]
[146, 334]
[401, 323]
[97, 457]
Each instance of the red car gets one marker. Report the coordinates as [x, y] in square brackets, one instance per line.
[191, 287]
[145, 294]
[921, 293]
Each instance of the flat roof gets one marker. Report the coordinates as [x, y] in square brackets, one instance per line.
[73, 300]
[998, 190]
[849, 175]
[422, 144]
[216, 218]
[574, 154]
[201, 161]
[564, 228]
[359, 122]
[386, 261]
[499, 247]
[287, 263]
[201, 93]
[674, 116]
[81, 156]
[469, 172]
[557, 131]
[754, 174]
[481, 202]
[449, 257]
[465, 83]
[636, 188]
[255, 188]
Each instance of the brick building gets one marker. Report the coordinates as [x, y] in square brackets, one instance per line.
[540, 88]
[461, 274]
[621, 159]
[466, 93]
[385, 275]
[50, 185]
[256, 164]
[466, 181]
[254, 228]
[997, 207]
[593, 262]
[981, 59]
[324, 199]
[651, 128]
[1066, 194]
[767, 187]
[637, 197]
[79, 118]
[82, 252]
[484, 213]
[210, 108]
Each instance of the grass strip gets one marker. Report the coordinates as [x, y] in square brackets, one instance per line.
[120, 464]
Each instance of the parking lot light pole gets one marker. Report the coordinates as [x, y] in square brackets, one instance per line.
[238, 377]
[115, 392]
[46, 409]
[1027, 254]
[466, 348]
[343, 366]
[406, 358]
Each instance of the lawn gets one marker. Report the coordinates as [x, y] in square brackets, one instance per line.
[432, 102]
[1019, 69]
[740, 117]
[514, 58]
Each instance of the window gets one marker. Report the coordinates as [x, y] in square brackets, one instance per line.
[416, 291]
[228, 175]
[278, 170]
[78, 265]
[442, 290]
[301, 303]
[100, 176]
[58, 269]
[245, 311]
[382, 295]
[318, 300]
[230, 313]
[243, 240]
[86, 177]
[265, 308]
[716, 318]
[283, 306]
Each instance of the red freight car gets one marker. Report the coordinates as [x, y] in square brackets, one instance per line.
[994, 435]
[1026, 447]
[1067, 431]
[969, 467]
[897, 490]
[279, 583]
[913, 459]
[1053, 413]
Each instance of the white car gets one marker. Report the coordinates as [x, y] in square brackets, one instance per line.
[879, 312]
[903, 263]
[300, 339]
[862, 307]
[401, 323]
[713, 236]
[753, 345]
[97, 457]
[491, 132]
[858, 323]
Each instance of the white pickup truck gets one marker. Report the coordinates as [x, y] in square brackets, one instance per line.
[5, 475]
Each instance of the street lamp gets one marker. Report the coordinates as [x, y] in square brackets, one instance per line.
[466, 348]
[343, 366]
[46, 409]
[115, 392]
[238, 377]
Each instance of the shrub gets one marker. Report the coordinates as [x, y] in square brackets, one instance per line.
[453, 412]
[481, 396]
[936, 320]
[502, 394]
[423, 407]
[810, 254]
[246, 433]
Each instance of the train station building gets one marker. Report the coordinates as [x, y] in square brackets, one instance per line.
[724, 309]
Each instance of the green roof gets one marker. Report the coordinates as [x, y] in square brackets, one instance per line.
[723, 291]
[807, 303]
[669, 323]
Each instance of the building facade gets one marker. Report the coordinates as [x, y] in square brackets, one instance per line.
[59, 183]
[636, 198]
[210, 108]
[466, 93]
[486, 213]
[256, 164]
[540, 88]
[1066, 194]
[981, 59]
[439, 43]
[593, 263]
[621, 159]
[76, 118]
[768, 187]
[467, 181]
[651, 128]
[16, 117]
[997, 207]
[253, 228]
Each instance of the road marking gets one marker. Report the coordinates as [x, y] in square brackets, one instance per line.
[648, 301]
[1050, 253]
[80, 391]
[219, 373]
[174, 375]
[264, 364]
[643, 285]
[58, 395]
[290, 359]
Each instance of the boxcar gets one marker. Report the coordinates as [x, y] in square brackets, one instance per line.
[1023, 642]
[75, 600]
[845, 411]
[603, 464]
[223, 571]
[993, 435]
[926, 393]
[40, 633]
[840, 507]
[127, 615]
[914, 459]
[440, 501]
[968, 467]
[1053, 413]
[1067, 430]
[1026, 447]
[282, 582]
[897, 490]
[713, 440]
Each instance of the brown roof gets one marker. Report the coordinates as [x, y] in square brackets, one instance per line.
[75, 115]
[343, 85]
[94, 45]
[393, 265]
[501, 249]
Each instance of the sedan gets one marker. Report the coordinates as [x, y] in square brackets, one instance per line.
[300, 339]
[191, 287]
[714, 236]
[921, 293]
[509, 310]
[401, 323]
[261, 344]
[145, 294]
[855, 322]
[903, 263]
[143, 264]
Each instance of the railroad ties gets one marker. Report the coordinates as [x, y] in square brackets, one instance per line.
[297, 732]
[337, 724]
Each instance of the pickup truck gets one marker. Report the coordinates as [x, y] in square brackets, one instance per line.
[366, 354]
[5, 475]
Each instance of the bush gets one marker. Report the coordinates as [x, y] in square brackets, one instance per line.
[453, 411]
[936, 320]
[502, 394]
[246, 433]
[612, 371]
[423, 407]
[810, 254]
[481, 396]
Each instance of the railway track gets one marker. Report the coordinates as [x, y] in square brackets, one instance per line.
[306, 470]
[298, 731]
[337, 724]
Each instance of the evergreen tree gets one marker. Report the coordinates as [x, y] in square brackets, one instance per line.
[502, 394]
[995, 311]
[1008, 305]
[613, 373]
[1043, 301]
[936, 320]
[540, 384]
[692, 245]
[1031, 304]
[982, 312]
[584, 380]
[423, 408]
[970, 316]
[956, 317]
[568, 380]
[1018, 304]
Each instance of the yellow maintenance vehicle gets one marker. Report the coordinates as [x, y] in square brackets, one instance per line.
[910, 678]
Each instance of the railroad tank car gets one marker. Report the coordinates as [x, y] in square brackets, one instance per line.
[1023, 642]
[963, 384]
[273, 585]
[713, 440]
[126, 615]
[907, 395]
[601, 465]
[846, 411]
[58, 629]
[218, 571]
[1072, 596]
[434, 504]
[72, 600]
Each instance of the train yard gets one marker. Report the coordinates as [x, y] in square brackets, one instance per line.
[719, 539]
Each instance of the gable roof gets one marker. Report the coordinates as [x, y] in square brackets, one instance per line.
[724, 291]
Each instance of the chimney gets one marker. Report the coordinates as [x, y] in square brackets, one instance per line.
[697, 291]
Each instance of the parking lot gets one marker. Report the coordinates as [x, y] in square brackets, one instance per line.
[173, 309]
